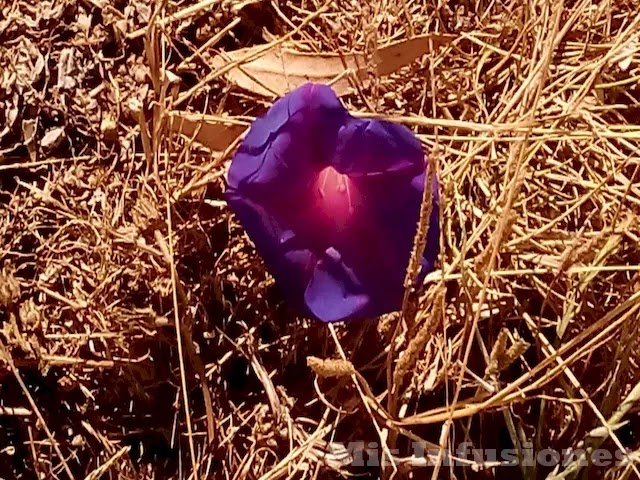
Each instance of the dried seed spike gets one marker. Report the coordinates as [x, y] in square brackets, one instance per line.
[416, 345]
[331, 368]
[497, 353]
[502, 357]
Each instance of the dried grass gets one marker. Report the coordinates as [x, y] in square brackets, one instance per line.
[141, 335]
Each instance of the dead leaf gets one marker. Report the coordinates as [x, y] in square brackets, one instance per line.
[171, 77]
[29, 128]
[66, 68]
[280, 70]
[53, 138]
[10, 115]
[626, 56]
[109, 127]
[83, 22]
[9, 287]
[29, 64]
[143, 11]
[29, 315]
[216, 133]
[396, 55]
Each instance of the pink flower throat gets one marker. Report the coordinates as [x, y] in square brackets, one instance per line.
[336, 191]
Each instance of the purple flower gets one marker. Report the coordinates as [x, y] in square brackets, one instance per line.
[332, 204]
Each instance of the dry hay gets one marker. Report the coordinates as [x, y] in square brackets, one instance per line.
[128, 290]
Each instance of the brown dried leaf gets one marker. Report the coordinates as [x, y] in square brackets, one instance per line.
[396, 55]
[83, 22]
[10, 115]
[9, 288]
[66, 69]
[29, 128]
[280, 70]
[109, 127]
[53, 138]
[29, 315]
[145, 212]
[29, 64]
[626, 56]
[216, 133]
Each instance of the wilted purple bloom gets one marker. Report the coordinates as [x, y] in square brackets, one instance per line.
[332, 204]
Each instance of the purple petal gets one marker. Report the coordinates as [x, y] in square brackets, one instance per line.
[288, 144]
[286, 259]
[372, 147]
[333, 292]
[308, 99]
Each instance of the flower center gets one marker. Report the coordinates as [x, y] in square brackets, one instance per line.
[335, 192]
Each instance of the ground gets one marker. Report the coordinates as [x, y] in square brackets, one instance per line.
[141, 335]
